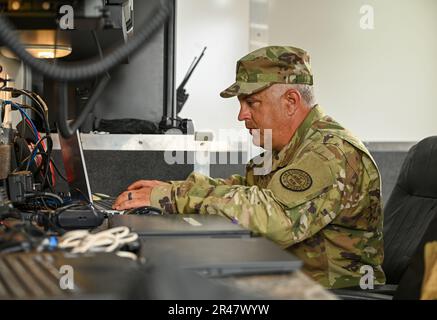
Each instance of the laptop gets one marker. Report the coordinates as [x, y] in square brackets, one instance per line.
[216, 257]
[146, 226]
[180, 225]
[77, 174]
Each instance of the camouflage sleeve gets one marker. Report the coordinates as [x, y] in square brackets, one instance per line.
[169, 197]
[234, 180]
[231, 181]
[299, 201]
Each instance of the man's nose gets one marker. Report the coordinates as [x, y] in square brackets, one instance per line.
[244, 113]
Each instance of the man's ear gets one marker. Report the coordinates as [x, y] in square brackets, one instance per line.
[292, 99]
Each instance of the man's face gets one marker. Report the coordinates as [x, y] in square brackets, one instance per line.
[261, 113]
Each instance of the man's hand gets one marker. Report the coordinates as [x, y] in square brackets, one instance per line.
[137, 195]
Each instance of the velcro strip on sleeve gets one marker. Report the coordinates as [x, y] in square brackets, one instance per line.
[302, 181]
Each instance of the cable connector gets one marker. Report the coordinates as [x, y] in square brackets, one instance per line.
[19, 185]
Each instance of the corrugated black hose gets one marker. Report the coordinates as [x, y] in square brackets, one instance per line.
[89, 68]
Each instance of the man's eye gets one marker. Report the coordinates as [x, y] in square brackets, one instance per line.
[252, 103]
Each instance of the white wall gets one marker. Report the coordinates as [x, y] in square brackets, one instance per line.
[222, 26]
[381, 83]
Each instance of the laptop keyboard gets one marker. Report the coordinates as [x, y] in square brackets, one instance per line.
[105, 204]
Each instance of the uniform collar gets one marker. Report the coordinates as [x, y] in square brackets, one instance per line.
[283, 157]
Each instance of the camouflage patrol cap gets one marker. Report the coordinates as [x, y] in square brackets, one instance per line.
[267, 66]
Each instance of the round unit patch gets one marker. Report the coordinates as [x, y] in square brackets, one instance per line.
[296, 180]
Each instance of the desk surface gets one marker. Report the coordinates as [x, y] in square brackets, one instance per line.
[290, 286]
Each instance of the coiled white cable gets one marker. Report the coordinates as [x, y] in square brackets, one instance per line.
[105, 241]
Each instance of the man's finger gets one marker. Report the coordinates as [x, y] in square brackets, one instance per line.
[118, 200]
[125, 197]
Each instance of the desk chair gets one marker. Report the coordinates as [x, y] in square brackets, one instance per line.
[409, 220]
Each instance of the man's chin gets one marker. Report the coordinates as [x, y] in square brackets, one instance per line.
[257, 141]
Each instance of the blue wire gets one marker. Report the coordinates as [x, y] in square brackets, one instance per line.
[35, 130]
[19, 108]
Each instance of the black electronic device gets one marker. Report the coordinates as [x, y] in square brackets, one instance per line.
[216, 257]
[78, 217]
[147, 210]
[20, 185]
[180, 225]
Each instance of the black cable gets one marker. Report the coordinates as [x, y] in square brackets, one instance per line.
[44, 154]
[24, 122]
[44, 203]
[44, 194]
[25, 125]
[59, 172]
[42, 113]
[46, 164]
[17, 92]
[49, 147]
[22, 162]
[38, 112]
[93, 67]
[99, 47]
[39, 169]
[36, 146]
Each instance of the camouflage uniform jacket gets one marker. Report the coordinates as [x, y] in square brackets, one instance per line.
[321, 201]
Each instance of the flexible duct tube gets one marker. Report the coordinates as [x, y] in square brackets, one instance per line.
[92, 67]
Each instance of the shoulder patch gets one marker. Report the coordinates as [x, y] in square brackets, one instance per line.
[296, 180]
[303, 181]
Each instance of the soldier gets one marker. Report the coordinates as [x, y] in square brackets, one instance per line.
[322, 198]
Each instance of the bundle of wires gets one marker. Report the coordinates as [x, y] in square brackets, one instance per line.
[111, 240]
[42, 201]
[42, 145]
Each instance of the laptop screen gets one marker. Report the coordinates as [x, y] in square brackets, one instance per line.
[75, 168]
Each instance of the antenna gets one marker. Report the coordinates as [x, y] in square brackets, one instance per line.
[182, 96]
